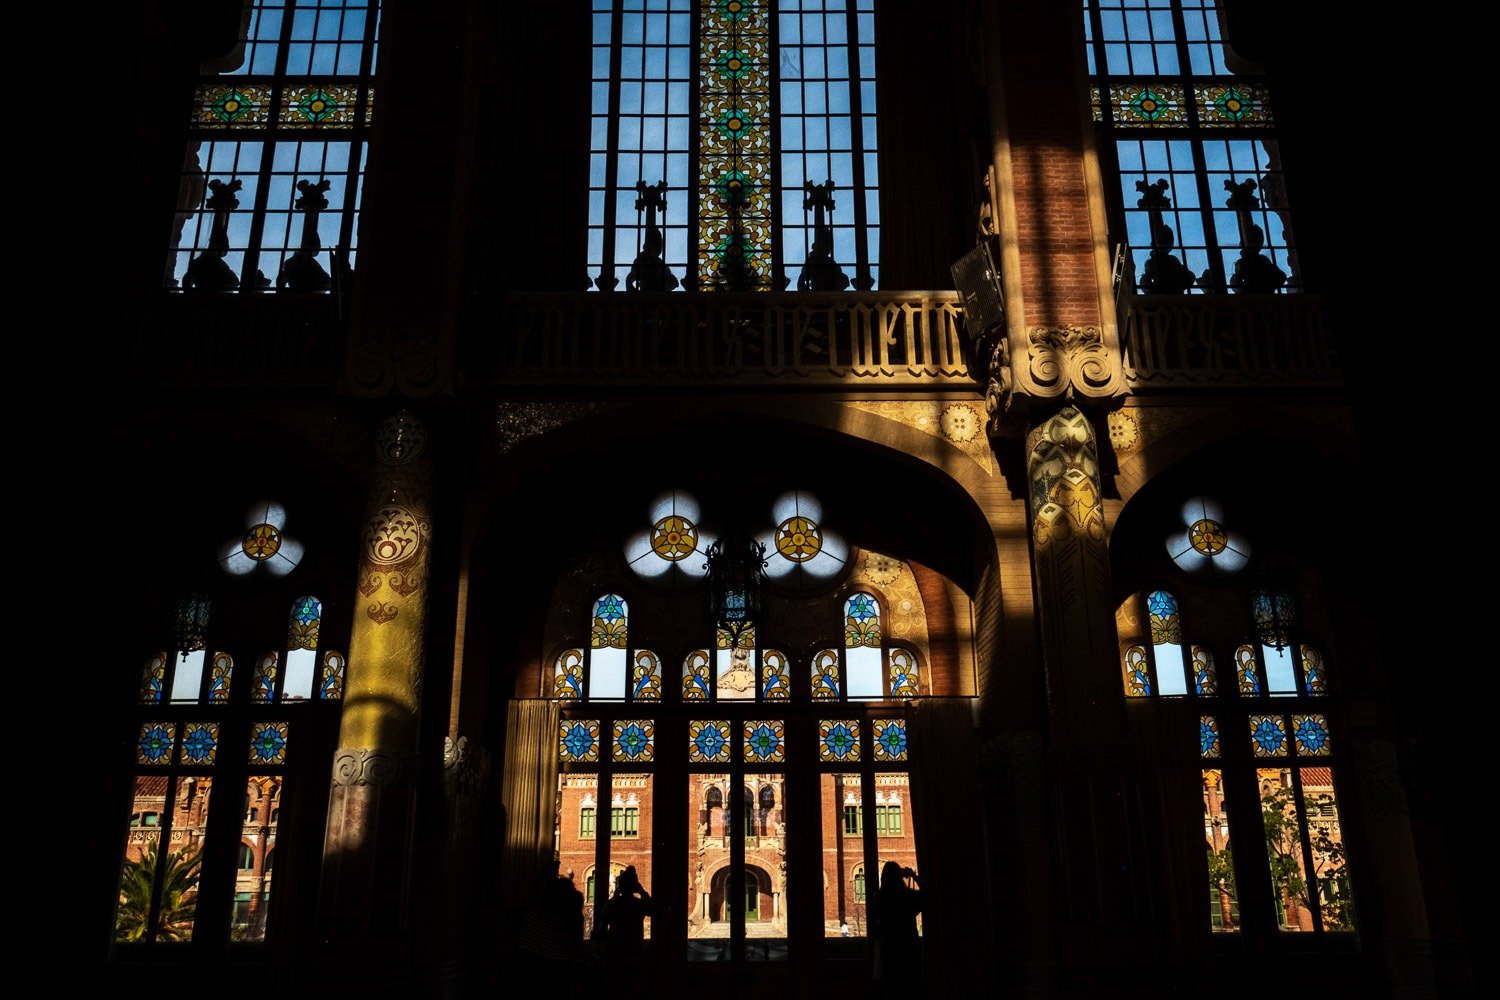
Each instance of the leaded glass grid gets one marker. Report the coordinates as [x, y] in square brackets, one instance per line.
[634, 740]
[765, 741]
[1268, 735]
[890, 739]
[578, 741]
[155, 742]
[291, 104]
[200, 743]
[268, 743]
[331, 685]
[838, 740]
[567, 676]
[708, 741]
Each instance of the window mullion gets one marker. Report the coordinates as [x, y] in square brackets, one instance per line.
[862, 279]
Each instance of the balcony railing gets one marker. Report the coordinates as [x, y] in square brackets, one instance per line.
[1254, 341]
[878, 339]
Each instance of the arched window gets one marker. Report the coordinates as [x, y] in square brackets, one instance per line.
[1191, 136]
[733, 145]
[277, 140]
[209, 738]
[1271, 760]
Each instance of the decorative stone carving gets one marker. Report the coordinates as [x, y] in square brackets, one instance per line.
[369, 766]
[409, 361]
[1124, 431]
[948, 421]
[400, 438]
[381, 613]
[1070, 361]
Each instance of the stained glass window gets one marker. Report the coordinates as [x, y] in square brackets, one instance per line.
[765, 742]
[1203, 544]
[1193, 146]
[1166, 643]
[277, 138]
[838, 740]
[802, 551]
[672, 546]
[733, 145]
[207, 744]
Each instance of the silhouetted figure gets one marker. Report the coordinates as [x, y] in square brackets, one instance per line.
[625, 943]
[899, 965]
[649, 273]
[552, 930]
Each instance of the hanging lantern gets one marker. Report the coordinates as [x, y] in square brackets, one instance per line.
[190, 622]
[1274, 610]
[736, 570]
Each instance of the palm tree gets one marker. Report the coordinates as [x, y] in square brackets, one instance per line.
[179, 894]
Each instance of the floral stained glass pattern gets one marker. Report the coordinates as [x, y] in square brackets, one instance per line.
[708, 741]
[775, 678]
[1311, 732]
[1205, 679]
[154, 745]
[1246, 672]
[307, 613]
[1314, 676]
[838, 740]
[695, 676]
[331, 686]
[321, 106]
[268, 743]
[200, 742]
[903, 674]
[799, 539]
[674, 538]
[264, 680]
[1268, 735]
[1208, 736]
[861, 621]
[219, 677]
[1166, 623]
[611, 616]
[825, 676]
[1233, 104]
[765, 742]
[567, 677]
[1137, 673]
[1156, 105]
[578, 741]
[235, 106]
[153, 678]
[634, 740]
[734, 152]
[890, 739]
[645, 682]
[1202, 544]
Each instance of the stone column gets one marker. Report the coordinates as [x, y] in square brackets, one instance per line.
[367, 850]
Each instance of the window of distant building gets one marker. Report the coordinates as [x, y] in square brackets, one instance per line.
[733, 145]
[223, 720]
[1192, 143]
[278, 134]
[751, 735]
[1271, 759]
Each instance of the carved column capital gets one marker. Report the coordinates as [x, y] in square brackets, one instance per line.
[372, 766]
[1071, 362]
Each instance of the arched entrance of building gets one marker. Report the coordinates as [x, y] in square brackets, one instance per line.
[746, 776]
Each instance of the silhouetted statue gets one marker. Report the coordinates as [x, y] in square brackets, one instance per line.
[821, 273]
[208, 271]
[899, 956]
[1253, 271]
[649, 272]
[301, 272]
[1164, 273]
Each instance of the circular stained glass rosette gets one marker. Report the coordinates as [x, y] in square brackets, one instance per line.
[261, 542]
[674, 538]
[799, 539]
[1202, 544]
[734, 123]
[1207, 536]
[734, 10]
[735, 187]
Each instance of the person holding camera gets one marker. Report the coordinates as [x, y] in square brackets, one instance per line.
[898, 960]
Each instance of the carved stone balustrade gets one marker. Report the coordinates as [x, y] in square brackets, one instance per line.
[871, 339]
[1252, 341]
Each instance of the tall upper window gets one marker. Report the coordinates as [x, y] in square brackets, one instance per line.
[277, 137]
[1192, 139]
[733, 145]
